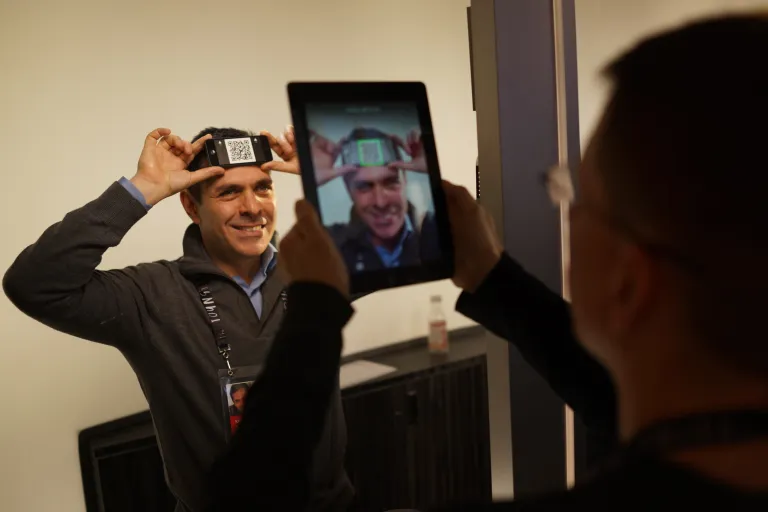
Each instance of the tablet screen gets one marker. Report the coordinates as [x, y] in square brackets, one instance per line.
[373, 183]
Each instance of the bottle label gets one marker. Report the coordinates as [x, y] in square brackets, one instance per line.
[438, 336]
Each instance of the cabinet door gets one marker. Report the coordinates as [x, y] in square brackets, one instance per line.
[449, 441]
[377, 457]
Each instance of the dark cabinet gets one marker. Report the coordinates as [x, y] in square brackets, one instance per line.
[422, 440]
[418, 438]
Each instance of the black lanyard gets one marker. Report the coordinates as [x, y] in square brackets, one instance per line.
[703, 429]
[691, 431]
[216, 322]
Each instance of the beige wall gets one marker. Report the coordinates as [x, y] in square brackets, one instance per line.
[605, 28]
[82, 82]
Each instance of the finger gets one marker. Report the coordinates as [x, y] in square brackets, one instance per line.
[277, 165]
[345, 169]
[204, 174]
[175, 144]
[401, 144]
[463, 196]
[407, 166]
[306, 213]
[290, 135]
[325, 144]
[171, 142]
[273, 142]
[199, 144]
[285, 146]
[458, 195]
[156, 135]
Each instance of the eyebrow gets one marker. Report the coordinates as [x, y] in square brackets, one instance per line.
[226, 186]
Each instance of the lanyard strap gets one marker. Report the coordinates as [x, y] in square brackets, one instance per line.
[217, 324]
[691, 431]
[703, 429]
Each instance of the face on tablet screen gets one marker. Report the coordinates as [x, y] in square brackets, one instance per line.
[373, 184]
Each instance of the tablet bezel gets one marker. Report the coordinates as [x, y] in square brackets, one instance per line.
[302, 93]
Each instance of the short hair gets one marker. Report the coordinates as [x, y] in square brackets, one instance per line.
[201, 160]
[680, 155]
[237, 387]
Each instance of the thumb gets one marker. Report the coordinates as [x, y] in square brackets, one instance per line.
[346, 168]
[305, 211]
[204, 174]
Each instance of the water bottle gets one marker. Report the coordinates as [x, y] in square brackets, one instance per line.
[438, 330]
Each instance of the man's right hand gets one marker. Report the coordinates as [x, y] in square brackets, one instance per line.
[477, 246]
[162, 169]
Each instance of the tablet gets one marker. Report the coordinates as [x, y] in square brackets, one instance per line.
[369, 166]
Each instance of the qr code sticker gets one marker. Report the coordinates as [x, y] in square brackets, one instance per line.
[240, 150]
[370, 152]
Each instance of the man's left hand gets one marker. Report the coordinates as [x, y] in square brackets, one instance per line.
[307, 253]
[414, 148]
[284, 146]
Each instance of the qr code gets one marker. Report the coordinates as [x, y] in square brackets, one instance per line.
[240, 150]
[370, 152]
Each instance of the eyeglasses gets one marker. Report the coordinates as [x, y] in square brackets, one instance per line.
[560, 189]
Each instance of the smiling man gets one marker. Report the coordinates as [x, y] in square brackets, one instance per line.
[181, 324]
[384, 229]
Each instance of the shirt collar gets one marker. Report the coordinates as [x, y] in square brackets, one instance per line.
[392, 258]
[268, 262]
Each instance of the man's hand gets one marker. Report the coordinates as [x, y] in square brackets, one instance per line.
[477, 245]
[307, 253]
[414, 148]
[284, 146]
[324, 156]
[161, 171]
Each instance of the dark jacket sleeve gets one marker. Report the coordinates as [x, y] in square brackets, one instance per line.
[55, 280]
[516, 306]
[268, 463]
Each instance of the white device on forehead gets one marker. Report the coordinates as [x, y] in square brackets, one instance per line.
[390, 231]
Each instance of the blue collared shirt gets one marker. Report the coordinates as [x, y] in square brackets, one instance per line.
[268, 260]
[253, 290]
[392, 258]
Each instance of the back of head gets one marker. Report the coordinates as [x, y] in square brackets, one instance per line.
[682, 162]
[201, 160]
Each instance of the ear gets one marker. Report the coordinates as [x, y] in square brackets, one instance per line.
[633, 288]
[190, 206]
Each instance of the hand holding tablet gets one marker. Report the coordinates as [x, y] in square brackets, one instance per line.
[369, 166]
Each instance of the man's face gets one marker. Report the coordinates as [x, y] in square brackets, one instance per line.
[378, 194]
[238, 399]
[236, 213]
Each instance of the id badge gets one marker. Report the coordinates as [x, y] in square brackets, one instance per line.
[234, 390]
